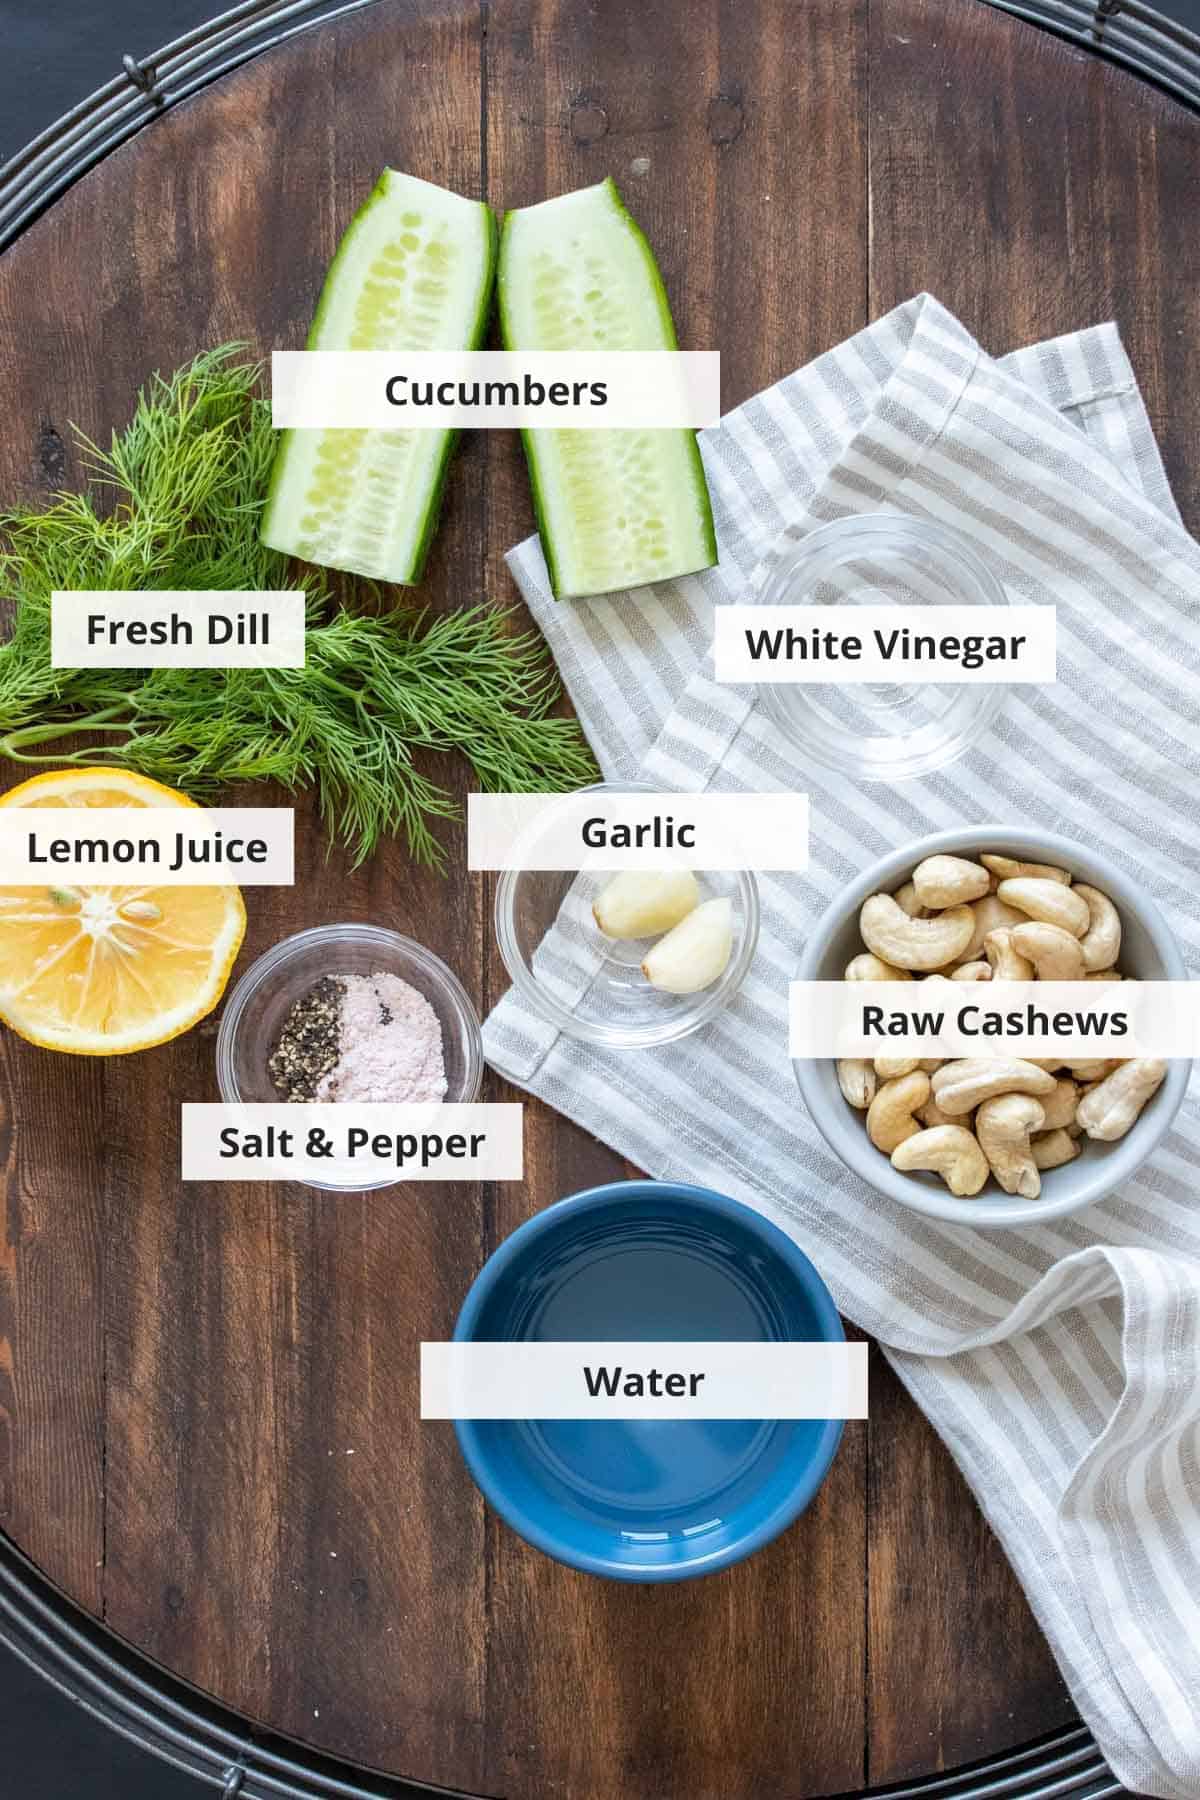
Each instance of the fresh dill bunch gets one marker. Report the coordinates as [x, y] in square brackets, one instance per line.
[175, 503]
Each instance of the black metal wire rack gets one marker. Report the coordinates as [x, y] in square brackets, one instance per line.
[1143, 39]
[1126, 31]
[164, 1716]
[141, 91]
[87, 1663]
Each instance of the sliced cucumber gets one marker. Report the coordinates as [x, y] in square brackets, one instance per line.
[616, 509]
[413, 272]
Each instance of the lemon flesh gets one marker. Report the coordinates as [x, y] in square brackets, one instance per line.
[99, 971]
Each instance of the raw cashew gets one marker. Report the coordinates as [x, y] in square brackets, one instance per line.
[949, 881]
[1051, 1149]
[1054, 953]
[890, 1068]
[865, 967]
[856, 1078]
[906, 899]
[950, 1151]
[1060, 1106]
[1003, 1125]
[990, 915]
[991, 918]
[1006, 964]
[1101, 942]
[1095, 1070]
[914, 943]
[1008, 868]
[890, 1116]
[931, 1114]
[1108, 1111]
[1047, 901]
[972, 971]
[938, 978]
[967, 1082]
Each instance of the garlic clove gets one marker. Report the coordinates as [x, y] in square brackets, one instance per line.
[695, 953]
[638, 904]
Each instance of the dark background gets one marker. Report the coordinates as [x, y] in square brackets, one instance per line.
[58, 51]
[53, 1750]
[52, 58]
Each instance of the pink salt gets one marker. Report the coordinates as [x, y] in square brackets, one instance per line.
[391, 1044]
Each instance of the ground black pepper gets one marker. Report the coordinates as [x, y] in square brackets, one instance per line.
[309, 1044]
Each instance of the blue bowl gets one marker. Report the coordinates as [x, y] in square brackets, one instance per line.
[648, 1500]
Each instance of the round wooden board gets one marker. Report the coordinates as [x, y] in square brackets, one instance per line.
[208, 1405]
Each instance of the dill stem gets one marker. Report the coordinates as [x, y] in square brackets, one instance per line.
[354, 695]
[48, 734]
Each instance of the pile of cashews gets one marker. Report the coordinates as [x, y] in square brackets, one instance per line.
[995, 919]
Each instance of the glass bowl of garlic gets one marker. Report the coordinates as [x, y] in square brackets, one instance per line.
[628, 959]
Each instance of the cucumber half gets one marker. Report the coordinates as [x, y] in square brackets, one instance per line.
[615, 509]
[414, 271]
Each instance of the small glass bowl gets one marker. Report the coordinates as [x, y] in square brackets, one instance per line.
[876, 731]
[616, 1006]
[259, 1004]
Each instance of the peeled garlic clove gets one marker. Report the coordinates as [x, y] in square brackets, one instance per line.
[636, 904]
[693, 955]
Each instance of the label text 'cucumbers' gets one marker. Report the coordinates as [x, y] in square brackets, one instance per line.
[577, 390]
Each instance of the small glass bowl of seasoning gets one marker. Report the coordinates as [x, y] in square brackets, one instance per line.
[353, 1013]
[881, 731]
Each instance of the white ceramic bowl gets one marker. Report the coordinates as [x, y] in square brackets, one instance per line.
[1148, 952]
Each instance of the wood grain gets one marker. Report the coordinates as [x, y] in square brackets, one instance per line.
[1035, 188]
[1023, 182]
[312, 1562]
[682, 109]
[208, 1427]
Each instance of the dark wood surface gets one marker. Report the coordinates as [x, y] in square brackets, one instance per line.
[208, 1397]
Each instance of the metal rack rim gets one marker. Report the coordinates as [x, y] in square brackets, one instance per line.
[113, 1682]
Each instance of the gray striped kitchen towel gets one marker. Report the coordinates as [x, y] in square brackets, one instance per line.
[1061, 1363]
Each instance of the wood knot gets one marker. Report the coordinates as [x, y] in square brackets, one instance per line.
[589, 121]
[726, 119]
[173, 1599]
[359, 1591]
[51, 454]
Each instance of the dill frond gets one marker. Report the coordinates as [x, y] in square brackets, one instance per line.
[175, 502]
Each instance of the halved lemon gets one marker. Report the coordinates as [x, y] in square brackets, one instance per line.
[100, 971]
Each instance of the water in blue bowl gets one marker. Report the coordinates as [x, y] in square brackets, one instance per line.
[649, 1500]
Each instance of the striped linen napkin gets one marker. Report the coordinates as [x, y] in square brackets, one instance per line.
[1061, 1363]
